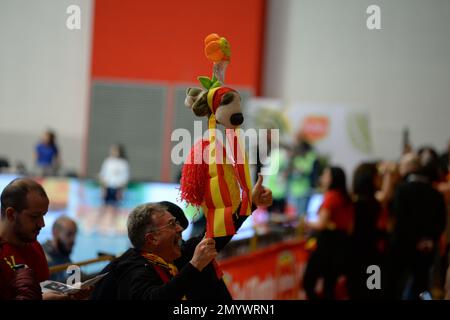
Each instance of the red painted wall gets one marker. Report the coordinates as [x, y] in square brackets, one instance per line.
[163, 40]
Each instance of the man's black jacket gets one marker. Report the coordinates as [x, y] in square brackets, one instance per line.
[132, 277]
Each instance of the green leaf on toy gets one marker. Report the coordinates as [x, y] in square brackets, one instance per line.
[206, 82]
[215, 83]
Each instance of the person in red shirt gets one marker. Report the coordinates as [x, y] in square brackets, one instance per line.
[23, 206]
[332, 230]
[24, 203]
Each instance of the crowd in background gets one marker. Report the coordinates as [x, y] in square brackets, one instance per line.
[392, 215]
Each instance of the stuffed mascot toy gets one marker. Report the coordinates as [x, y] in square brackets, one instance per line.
[215, 175]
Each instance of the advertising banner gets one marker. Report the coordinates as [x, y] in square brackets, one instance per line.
[273, 273]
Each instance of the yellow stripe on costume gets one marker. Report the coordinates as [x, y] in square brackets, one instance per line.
[212, 166]
[219, 222]
[216, 196]
[209, 99]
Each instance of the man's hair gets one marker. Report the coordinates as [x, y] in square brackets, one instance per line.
[58, 224]
[15, 194]
[140, 221]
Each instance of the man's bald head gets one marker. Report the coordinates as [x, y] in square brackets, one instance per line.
[64, 231]
[15, 194]
[63, 223]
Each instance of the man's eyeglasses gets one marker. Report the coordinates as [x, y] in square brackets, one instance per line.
[172, 223]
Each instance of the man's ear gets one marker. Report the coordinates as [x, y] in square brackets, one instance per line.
[10, 213]
[150, 238]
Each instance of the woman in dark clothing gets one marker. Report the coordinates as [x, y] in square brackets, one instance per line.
[335, 223]
[366, 236]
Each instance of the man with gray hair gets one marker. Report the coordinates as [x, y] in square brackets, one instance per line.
[147, 271]
[161, 266]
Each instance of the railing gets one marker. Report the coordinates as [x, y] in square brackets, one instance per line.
[63, 267]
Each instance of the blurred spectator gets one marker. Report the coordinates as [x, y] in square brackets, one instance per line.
[58, 249]
[432, 168]
[430, 165]
[20, 168]
[419, 216]
[445, 162]
[4, 165]
[409, 163]
[336, 215]
[302, 173]
[114, 175]
[47, 155]
[372, 191]
[277, 180]
[447, 285]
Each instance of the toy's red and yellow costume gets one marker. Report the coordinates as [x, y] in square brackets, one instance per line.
[211, 177]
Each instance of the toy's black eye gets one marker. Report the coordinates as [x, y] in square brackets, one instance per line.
[227, 98]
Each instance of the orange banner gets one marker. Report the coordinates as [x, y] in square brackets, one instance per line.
[57, 190]
[273, 273]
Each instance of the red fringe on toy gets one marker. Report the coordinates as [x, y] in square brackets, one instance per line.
[194, 175]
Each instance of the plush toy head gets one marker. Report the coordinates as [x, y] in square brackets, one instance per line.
[223, 102]
[216, 99]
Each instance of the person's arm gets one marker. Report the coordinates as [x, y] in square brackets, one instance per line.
[56, 160]
[126, 175]
[324, 221]
[54, 296]
[103, 174]
[390, 179]
[442, 214]
[25, 285]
